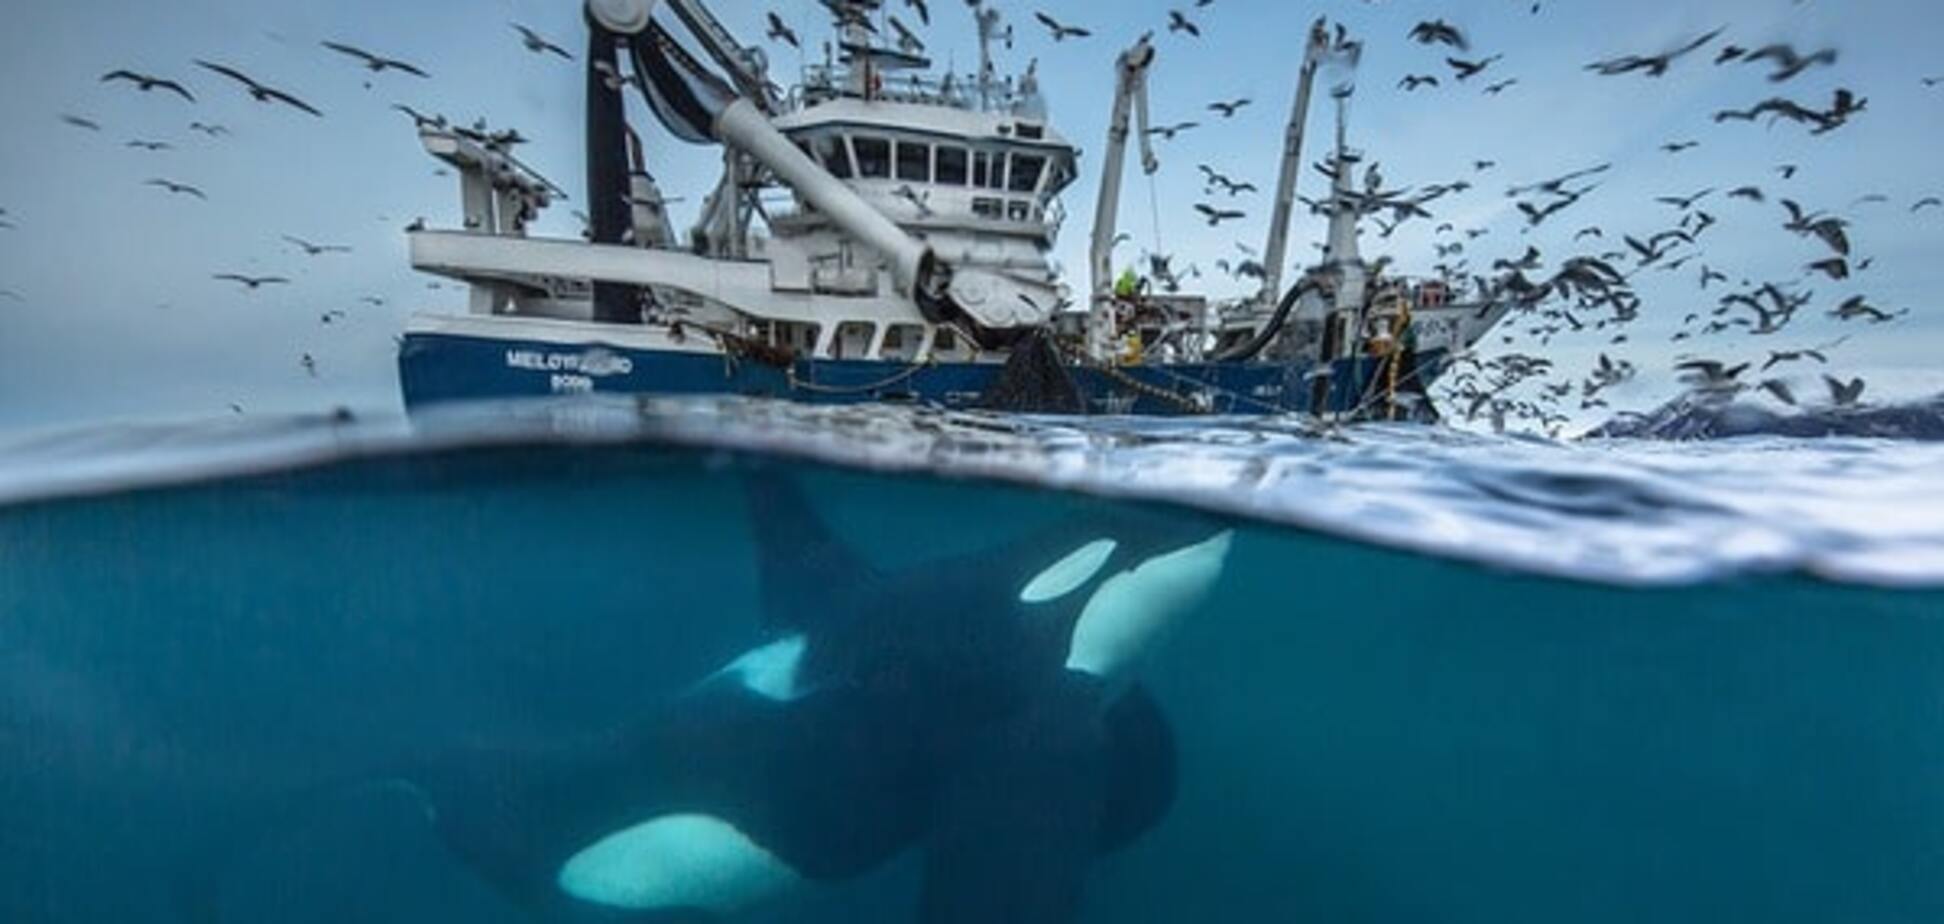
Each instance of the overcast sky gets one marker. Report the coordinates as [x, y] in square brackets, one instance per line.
[118, 318]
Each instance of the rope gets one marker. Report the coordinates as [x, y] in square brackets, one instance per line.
[899, 378]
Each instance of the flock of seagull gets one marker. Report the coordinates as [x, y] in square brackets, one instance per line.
[231, 77]
[1592, 290]
[1589, 291]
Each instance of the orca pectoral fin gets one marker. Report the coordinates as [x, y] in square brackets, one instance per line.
[1017, 817]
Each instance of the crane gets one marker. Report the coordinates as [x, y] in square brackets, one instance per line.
[1130, 104]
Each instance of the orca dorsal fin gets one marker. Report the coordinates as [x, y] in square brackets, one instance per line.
[804, 571]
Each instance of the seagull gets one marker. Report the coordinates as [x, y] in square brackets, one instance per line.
[1788, 63]
[177, 188]
[1844, 394]
[376, 64]
[81, 123]
[1926, 203]
[150, 146]
[1751, 193]
[1778, 357]
[1170, 131]
[1856, 308]
[146, 83]
[1830, 230]
[259, 92]
[1229, 109]
[1216, 216]
[1439, 32]
[210, 129]
[538, 45]
[1412, 81]
[1835, 268]
[781, 32]
[1676, 147]
[610, 75]
[1179, 22]
[309, 363]
[1061, 31]
[11, 294]
[1653, 65]
[1684, 204]
[252, 283]
[1501, 86]
[1466, 70]
[924, 12]
[315, 250]
[1779, 389]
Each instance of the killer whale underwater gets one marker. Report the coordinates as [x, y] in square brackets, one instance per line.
[985, 709]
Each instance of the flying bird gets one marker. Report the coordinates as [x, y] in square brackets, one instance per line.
[1439, 32]
[1060, 31]
[1170, 131]
[259, 92]
[1676, 147]
[81, 123]
[1652, 65]
[1230, 108]
[251, 283]
[1501, 86]
[1789, 64]
[150, 146]
[1179, 22]
[1216, 216]
[1466, 70]
[176, 188]
[1412, 81]
[538, 45]
[376, 64]
[1926, 203]
[314, 250]
[146, 83]
[781, 32]
[1844, 394]
[210, 129]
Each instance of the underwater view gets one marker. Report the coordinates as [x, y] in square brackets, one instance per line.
[817, 461]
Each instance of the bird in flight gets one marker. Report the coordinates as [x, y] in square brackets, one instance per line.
[150, 146]
[314, 250]
[1788, 63]
[1179, 22]
[1439, 32]
[1230, 108]
[252, 283]
[538, 45]
[781, 32]
[1059, 30]
[258, 91]
[81, 123]
[1466, 70]
[1216, 216]
[1170, 131]
[176, 188]
[376, 64]
[1411, 82]
[1653, 65]
[210, 129]
[146, 83]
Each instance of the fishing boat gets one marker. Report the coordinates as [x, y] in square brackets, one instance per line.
[884, 233]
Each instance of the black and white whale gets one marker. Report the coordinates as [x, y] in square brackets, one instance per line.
[985, 710]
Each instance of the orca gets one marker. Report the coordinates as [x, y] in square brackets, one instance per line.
[984, 709]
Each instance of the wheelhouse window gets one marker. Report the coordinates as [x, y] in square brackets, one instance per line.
[983, 207]
[989, 170]
[914, 161]
[1026, 171]
[835, 156]
[873, 157]
[951, 166]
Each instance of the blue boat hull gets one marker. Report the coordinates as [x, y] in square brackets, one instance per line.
[439, 368]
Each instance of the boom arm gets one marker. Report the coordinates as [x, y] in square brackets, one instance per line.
[1276, 253]
[1130, 92]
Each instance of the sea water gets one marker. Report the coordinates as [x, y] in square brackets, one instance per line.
[1445, 678]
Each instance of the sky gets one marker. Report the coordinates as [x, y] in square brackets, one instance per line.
[117, 317]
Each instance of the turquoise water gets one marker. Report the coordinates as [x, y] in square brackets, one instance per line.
[1523, 699]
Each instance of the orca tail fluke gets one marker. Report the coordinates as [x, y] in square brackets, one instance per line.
[196, 888]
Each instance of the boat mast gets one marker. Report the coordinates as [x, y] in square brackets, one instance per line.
[1276, 253]
[1346, 210]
